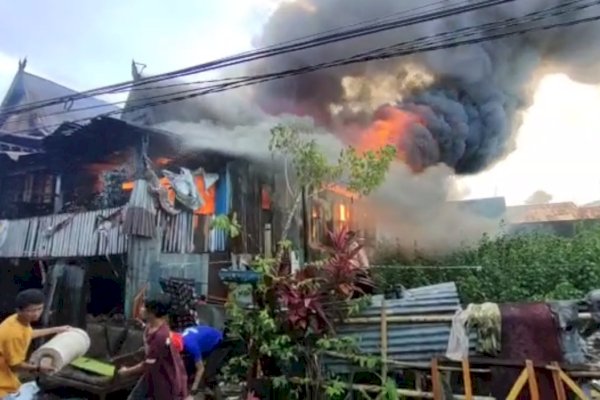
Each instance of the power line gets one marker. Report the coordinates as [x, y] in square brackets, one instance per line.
[379, 54]
[405, 48]
[265, 53]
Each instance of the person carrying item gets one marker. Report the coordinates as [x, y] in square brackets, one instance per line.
[203, 352]
[163, 371]
[16, 335]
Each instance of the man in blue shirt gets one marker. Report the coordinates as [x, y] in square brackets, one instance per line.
[199, 342]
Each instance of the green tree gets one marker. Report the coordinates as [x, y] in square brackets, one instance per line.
[528, 267]
[312, 171]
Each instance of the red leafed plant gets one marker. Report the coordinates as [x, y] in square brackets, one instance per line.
[344, 274]
[301, 295]
[308, 293]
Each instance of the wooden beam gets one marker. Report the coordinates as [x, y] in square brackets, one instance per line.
[466, 370]
[436, 382]
[384, 341]
[517, 387]
[572, 385]
[559, 387]
[534, 390]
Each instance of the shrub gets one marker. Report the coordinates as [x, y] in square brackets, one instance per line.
[517, 268]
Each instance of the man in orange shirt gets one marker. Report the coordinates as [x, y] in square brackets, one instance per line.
[16, 334]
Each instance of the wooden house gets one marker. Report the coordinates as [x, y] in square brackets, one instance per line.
[88, 211]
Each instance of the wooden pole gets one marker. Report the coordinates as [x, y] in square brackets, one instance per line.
[466, 370]
[534, 391]
[413, 394]
[436, 382]
[559, 387]
[384, 341]
[420, 319]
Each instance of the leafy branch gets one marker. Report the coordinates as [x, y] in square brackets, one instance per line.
[313, 173]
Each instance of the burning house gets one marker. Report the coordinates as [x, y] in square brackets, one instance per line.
[92, 205]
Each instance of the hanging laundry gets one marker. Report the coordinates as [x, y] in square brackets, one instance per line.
[458, 342]
[529, 332]
[185, 188]
[572, 345]
[486, 321]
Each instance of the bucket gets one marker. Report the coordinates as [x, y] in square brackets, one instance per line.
[62, 349]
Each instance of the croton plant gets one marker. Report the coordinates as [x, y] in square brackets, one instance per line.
[313, 294]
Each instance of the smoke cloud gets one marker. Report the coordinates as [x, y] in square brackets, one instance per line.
[449, 112]
[469, 109]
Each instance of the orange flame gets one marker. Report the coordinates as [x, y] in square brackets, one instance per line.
[390, 127]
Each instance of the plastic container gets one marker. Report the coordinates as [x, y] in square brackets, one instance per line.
[62, 349]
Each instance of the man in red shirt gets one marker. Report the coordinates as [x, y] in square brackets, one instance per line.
[163, 371]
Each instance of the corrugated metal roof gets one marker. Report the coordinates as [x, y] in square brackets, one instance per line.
[79, 236]
[28, 88]
[416, 342]
[566, 211]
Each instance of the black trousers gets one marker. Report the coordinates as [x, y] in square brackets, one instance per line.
[213, 362]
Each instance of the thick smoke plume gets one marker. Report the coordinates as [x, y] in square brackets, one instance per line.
[448, 112]
[469, 107]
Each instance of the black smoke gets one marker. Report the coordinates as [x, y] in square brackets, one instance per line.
[472, 108]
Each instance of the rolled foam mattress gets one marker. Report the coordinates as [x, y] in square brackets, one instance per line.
[62, 349]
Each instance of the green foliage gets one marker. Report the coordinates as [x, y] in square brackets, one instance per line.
[229, 225]
[362, 173]
[288, 321]
[389, 390]
[513, 268]
[266, 330]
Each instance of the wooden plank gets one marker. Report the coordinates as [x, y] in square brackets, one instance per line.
[559, 387]
[515, 391]
[466, 370]
[534, 391]
[572, 385]
[384, 341]
[436, 381]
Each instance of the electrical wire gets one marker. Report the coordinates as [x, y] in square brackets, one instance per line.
[395, 51]
[426, 43]
[264, 53]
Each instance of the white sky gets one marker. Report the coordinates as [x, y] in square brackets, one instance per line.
[89, 44]
[557, 148]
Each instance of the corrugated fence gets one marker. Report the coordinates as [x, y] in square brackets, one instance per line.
[84, 235]
[41, 237]
[415, 342]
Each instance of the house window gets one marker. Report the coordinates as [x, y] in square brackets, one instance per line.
[38, 189]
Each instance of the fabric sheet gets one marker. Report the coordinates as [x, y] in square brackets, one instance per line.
[529, 332]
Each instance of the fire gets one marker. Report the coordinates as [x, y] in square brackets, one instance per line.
[162, 161]
[390, 127]
[209, 195]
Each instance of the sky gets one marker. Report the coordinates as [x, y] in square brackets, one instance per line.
[84, 45]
